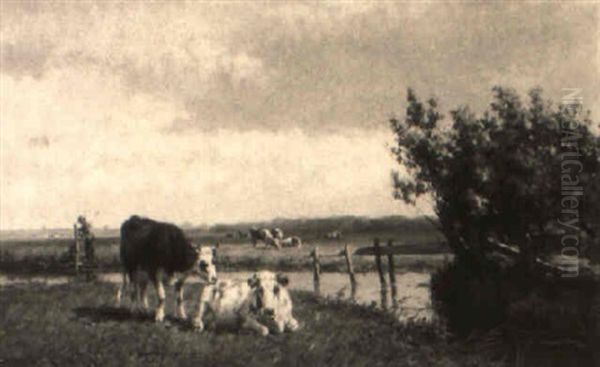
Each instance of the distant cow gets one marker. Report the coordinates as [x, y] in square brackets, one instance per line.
[160, 249]
[334, 235]
[293, 241]
[265, 236]
[277, 233]
[261, 304]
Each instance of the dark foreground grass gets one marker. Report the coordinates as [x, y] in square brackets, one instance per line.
[75, 324]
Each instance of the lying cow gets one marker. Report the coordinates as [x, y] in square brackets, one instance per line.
[160, 250]
[293, 241]
[265, 236]
[261, 304]
[334, 235]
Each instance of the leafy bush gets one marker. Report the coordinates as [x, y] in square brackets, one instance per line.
[497, 179]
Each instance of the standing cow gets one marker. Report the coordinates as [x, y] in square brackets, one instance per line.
[265, 236]
[277, 233]
[161, 249]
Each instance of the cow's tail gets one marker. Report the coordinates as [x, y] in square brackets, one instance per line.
[127, 239]
[123, 249]
[126, 269]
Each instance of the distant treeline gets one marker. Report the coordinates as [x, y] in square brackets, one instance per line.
[313, 227]
[345, 224]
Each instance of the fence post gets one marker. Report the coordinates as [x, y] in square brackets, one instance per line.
[348, 256]
[392, 273]
[76, 249]
[382, 281]
[316, 271]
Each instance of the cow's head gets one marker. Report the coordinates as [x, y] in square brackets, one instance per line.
[205, 263]
[266, 288]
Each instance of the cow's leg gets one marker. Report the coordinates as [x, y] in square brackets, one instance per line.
[279, 325]
[197, 321]
[252, 324]
[134, 289]
[282, 324]
[291, 324]
[180, 301]
[277, 244]
[121, 290]
[139, 297]
[160, 292]
[143, 293]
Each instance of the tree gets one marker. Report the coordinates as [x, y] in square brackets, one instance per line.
[501, 177]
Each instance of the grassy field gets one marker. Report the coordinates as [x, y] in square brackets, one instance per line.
[75, 324]
[48, 256]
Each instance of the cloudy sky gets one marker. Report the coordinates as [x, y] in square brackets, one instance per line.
[227, 111]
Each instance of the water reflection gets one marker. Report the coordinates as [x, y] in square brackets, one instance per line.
[413, 299]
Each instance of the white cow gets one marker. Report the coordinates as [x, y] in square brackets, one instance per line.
[293, 241]
[277, 233]
[261, 304]
[334, 235]
[264, 235]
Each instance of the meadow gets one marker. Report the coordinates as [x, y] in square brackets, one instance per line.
[76, 324]
[43, 256]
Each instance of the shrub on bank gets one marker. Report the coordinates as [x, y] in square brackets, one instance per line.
[518, 308]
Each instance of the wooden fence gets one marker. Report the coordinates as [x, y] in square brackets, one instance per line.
[379, 252]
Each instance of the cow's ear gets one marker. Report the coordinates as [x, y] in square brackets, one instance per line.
[282, 279]
[214, 251]
[253, 281]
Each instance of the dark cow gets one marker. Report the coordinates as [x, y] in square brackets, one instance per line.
[265, 236]
[160, 249]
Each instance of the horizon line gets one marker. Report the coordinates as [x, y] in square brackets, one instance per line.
[209, 226]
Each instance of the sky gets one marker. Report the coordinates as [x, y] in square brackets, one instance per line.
[206, 112]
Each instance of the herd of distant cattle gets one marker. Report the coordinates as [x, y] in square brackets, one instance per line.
[273, 237]
[156, 252]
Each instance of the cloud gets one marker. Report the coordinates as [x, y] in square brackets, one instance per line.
[39, 141]
[30, 60]
[109, 157]
[169, 51]
[245, 65]
[239, 111]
